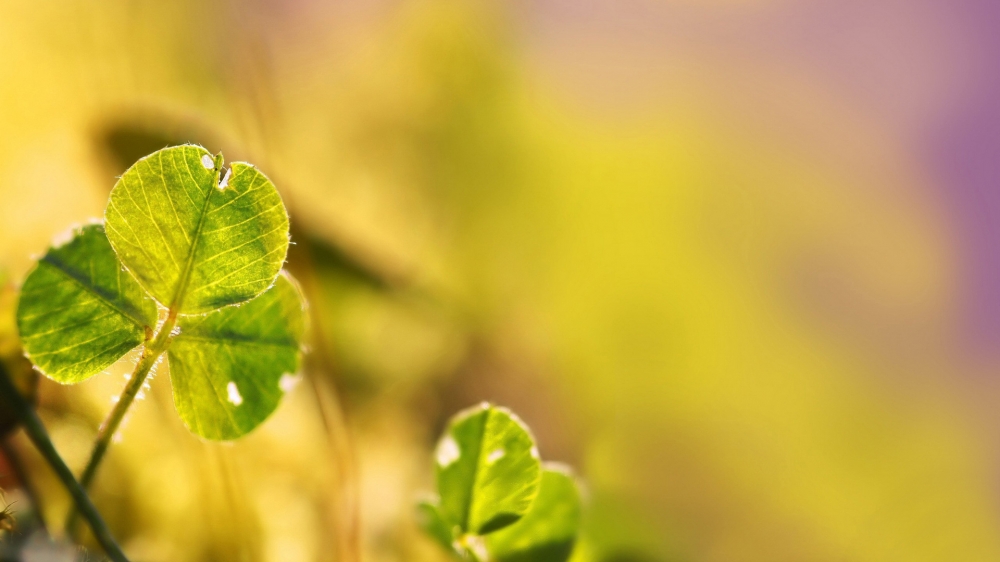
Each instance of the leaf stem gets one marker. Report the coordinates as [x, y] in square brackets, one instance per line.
[36, 432]
[150, 355]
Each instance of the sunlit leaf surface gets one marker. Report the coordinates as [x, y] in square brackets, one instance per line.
[230, 368]
[488, 470]
[196, 237]
[547, 532]
[79, 311]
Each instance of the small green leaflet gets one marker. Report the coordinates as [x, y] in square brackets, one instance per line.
[229, 368]
[497, 501]
[548, 532]
[194, 241]
[488, 470]
[80, 311]
[430, 520]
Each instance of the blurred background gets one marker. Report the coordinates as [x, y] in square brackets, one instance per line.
[735, 261]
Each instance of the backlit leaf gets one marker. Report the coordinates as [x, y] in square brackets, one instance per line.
[79, 311]
[488, 470]
[195, 239]
[230, 368]
[548, 531]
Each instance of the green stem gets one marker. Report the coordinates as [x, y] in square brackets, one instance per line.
[17, 466]
[36, 432]
[150, 355]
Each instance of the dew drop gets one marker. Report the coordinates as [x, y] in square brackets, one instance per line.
[534, 453]
[208, 162]
[234, 393]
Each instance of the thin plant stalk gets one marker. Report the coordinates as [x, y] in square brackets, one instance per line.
[150, 355]
[17, 465]
[36, 432]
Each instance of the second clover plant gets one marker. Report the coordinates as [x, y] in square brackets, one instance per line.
[187, 264]
[496, 499]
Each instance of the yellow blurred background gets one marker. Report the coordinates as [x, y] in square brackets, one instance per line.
[716, 254]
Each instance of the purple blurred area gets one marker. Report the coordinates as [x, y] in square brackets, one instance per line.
[925, 74]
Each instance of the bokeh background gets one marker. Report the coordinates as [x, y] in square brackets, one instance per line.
[735, 261]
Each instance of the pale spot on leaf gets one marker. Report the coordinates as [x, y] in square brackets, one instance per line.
[495, 456]
[208, 162]
[287, 382]
[64, 237]
[234, 393]
[448, 452]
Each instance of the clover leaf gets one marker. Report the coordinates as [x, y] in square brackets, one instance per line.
[253, 351]
[79, 311]
[548, 531]
[488, 470]
[182, 232]
[196, 242]
[430, 520]
[496, 501]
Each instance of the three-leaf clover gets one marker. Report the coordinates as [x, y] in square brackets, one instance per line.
[496, 499]
[188, 263]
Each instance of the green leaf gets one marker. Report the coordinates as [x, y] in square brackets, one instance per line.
[79, 311]
[195, 243]
[430, 520]
[227, 368]
[488, 470]
[548, 531]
